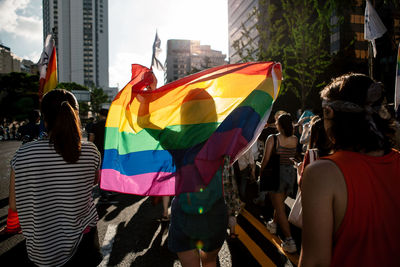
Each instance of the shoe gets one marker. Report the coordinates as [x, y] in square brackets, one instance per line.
[289, 245]
[271, 227]
[233, 236]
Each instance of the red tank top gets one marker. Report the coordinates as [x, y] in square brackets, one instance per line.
[370, 231]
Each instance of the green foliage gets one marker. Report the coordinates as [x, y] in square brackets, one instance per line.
[97, 98]
[18, 95]
[72, 86]
[295, 33]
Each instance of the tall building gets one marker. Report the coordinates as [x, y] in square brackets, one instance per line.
[80, 29]
[185, 57]
[240, 12]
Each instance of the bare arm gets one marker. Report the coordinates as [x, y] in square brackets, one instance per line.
[269, 145]
[91, 137]
[319, 184]
[11, 198]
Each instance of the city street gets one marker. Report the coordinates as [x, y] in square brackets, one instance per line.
[130, 233]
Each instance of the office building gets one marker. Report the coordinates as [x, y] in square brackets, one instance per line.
[80, 30]
[186, 57]
[9, 62]
[241, 13]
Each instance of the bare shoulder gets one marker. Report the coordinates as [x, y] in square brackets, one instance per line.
[322, 173]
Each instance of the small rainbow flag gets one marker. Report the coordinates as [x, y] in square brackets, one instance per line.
[48, 67]
[173, 139]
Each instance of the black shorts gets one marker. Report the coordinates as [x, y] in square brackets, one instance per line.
[205, 231]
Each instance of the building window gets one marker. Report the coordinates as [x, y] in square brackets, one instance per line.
[357, 19]
[360, 36]
[362, 54]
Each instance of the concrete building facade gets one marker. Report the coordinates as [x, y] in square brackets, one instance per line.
[241, 13]
[9, 62]
[80, 30]
[185, 57]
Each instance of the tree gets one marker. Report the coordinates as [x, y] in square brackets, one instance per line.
[295, 33]
[69, 86]
[97, 98]
[18, 95]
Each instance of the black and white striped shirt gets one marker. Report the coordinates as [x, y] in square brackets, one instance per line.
[54, 199]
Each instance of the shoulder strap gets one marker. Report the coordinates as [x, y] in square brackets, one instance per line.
[275, 143]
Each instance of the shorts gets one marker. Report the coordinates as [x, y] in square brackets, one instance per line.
[197, 231]
[287, 179]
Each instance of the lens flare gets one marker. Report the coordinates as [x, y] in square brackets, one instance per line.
[199, 244]
[200, 210]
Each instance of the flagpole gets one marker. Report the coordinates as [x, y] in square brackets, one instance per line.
[154, 51]
[370, 61]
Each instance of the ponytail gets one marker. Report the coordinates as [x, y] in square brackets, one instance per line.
[59, 110]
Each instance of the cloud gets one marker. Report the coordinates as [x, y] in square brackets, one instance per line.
[14, 20]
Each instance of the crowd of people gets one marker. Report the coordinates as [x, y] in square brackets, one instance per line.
[342, 163]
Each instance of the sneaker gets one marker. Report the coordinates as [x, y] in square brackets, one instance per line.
[271, 227]
[289, 245]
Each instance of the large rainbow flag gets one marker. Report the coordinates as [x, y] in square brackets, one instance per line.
[173, 139]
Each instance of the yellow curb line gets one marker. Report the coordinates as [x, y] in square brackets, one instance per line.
[253, 248]
[294, 258]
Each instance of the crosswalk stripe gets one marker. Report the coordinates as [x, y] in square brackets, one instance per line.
[253, 248]
[108, 244]
[294, 258]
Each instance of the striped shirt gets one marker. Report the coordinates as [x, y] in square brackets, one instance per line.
[54, 200]
[285, 153]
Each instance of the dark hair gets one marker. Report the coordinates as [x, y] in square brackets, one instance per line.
[318, 137]
[286, 124]
[352, 130]
[34, 115]
[103, 112]
[63, 126]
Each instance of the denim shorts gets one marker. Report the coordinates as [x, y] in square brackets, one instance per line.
[287, 179]
[205, 231]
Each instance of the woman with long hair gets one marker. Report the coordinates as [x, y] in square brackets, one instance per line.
[351, 198]
[50, 187]
[285, 147]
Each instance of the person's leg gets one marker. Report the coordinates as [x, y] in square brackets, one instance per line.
[278, 202]
[165, 202]
[189, 258]
[209, 259]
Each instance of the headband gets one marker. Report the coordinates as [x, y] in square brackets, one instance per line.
[374, 93]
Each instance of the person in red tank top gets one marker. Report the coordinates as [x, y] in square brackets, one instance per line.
[351, 199]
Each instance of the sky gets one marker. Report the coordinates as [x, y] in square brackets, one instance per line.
[132, 28]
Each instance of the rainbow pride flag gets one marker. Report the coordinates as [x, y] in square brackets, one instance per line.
[173, 139]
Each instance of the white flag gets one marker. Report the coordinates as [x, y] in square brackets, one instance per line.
[373, 26]
[397, 86]
[45, 56]
[156, 51]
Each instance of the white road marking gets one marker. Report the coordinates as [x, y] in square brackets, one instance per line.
[108, 242]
